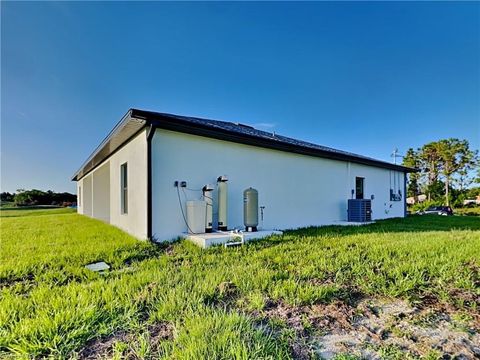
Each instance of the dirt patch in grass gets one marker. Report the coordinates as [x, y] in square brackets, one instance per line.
[105, 347]
[160, 331]
[465, 298]
[224, 296]
[329, 317]
[170, 250]
[374, 329]
[329, 278]
[305, 322]
[24, 284]
[25, 280]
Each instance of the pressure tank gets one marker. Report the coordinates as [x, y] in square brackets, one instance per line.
[250, 209]
[222, 202]
[208, 197]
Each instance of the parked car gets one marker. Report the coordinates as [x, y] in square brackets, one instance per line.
[437, 210]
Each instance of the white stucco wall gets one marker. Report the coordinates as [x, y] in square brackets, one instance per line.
[86, 185]
[101, 197]
[101, 192]
[135, 154]
[80, 196]
[378, 183]
[296, 190]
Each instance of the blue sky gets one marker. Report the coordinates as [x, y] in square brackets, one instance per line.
[362, 77]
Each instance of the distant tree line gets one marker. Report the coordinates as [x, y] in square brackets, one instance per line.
[448, 171]
[38, 197]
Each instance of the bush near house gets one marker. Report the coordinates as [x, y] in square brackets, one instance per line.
[423, 206]
[292, 296]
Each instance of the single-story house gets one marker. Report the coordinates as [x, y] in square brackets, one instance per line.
[141, 175]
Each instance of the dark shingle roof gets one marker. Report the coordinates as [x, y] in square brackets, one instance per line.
[135, 120]
[242, 129]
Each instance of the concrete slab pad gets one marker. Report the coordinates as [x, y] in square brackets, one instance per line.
[226, 237]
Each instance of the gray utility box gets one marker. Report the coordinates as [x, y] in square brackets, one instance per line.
[359, 210]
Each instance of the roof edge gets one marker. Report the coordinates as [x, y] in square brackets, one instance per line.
[175, 123]
[134, 120]
[89, 164]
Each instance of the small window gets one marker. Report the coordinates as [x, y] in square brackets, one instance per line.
[359, 187]
[124, 188]
[79, 196]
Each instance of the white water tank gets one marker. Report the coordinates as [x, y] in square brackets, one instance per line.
[222, 203]
[196, 214]
[208, 196]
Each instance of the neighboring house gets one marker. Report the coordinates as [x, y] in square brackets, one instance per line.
[420, 198]
[128, 181]
[472, 201]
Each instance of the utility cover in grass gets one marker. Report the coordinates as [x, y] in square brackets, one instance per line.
[98, 266]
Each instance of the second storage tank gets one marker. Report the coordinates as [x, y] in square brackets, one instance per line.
[250, 209]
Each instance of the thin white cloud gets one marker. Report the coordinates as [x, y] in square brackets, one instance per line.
[264, 125]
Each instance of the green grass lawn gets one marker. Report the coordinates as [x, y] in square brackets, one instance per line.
[179, 301]
[12, 211]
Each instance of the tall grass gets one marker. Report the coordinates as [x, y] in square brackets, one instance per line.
[50, 305]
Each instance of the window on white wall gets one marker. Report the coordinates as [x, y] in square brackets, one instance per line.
[79, 196]
[359, 187]
[124, 188]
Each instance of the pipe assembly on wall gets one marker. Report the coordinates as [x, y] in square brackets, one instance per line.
[200, 212]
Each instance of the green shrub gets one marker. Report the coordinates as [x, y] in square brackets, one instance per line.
[424, 205]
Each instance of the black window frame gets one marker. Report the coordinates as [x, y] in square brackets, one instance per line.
[359, 195]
